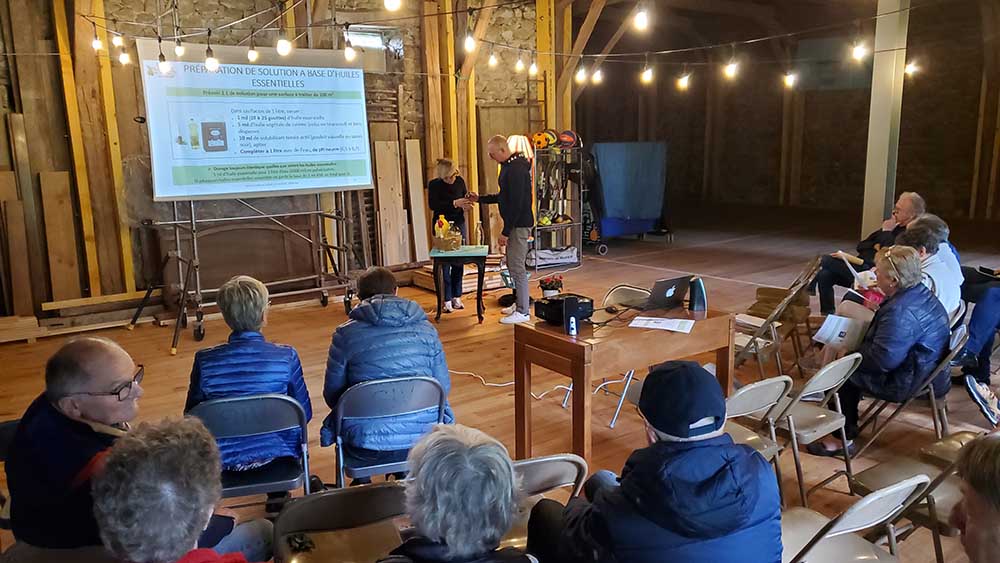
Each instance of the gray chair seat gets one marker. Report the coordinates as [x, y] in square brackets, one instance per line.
[356, 468]
[811, 422]
[799, 525]
[743, 435]
[946, 495]
[944, 452]
[282, 474]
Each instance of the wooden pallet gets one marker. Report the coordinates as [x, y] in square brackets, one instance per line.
[425, 279]
[20, 328]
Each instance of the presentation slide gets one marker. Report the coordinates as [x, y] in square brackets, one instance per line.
[279, 126]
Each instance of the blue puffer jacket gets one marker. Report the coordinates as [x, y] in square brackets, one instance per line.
[249, 365]
[906, 340]
[710, 500]
[387, 337]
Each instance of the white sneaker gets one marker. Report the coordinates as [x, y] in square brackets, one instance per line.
[447, 307]
[515, 318]
[508, 310]
[456, 303]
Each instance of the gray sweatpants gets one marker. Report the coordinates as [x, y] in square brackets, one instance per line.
[517, 253]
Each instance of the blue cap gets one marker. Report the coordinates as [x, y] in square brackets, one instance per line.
[683, 401]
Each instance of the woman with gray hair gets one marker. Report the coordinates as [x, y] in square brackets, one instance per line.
[462, 498]
[907, 338]
[249, 365]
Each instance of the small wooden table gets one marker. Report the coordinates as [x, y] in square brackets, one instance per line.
[459, 258]
[608, 350]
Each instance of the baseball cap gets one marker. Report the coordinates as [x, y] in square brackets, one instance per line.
[682, 401]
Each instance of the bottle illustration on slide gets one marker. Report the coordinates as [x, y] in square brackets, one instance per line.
[193, 134]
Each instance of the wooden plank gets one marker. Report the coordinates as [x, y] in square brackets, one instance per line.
[8, 186]
[79, 154]
[418, 200]
[976, 160]
[99, 300]
[472, 148]
[60, 236]
[433, 137]
[391, 215]
[483, 17]
[383, 131]
[8, 192]
[582, 37]
[18, 249]
[545, 32]
[449, 85]
[34, 259]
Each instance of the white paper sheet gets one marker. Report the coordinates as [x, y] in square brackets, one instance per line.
[674, 325]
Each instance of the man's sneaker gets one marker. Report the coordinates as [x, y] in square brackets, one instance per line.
[515, 318]
[456, 303]
[508, 310]
[985, 399]
[447, 307]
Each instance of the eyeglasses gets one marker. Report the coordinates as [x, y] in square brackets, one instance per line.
[888, 258]
[123, 391]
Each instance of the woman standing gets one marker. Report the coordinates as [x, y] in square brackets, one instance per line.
[446, 196]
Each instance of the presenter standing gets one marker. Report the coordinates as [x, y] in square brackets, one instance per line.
[446, 196]
[514, 200]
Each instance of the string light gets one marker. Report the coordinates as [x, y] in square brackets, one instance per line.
[116, 38]
[533, 67]
[859, 51]
[124, 58]
[211, 63]
[519, 65]
[581, 75]
[731, 70]
[684, 81]
[392, 5]
[163, 64]
[96, 43]
[647, 75]
[597, 77]
[641, 19]
[911, 68]
[349, 53]
[470, 43]
[791, 79]
[178, 46]
[284, 46]
[493, 59]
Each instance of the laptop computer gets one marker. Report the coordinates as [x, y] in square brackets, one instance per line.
[665, 294]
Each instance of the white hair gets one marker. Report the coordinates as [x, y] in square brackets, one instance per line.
[463, 491]
[243, 301]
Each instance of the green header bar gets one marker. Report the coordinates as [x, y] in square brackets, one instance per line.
[247, 93]
[229, 173]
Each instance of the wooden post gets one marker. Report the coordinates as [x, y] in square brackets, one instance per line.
[608, 47]
[545, 45]
[593, 14]
[798, 135]
[472, 145]
[977, 159]
[433, 121]
[565, 100]
[449, 86]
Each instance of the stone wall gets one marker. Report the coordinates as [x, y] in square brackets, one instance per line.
[513, 26]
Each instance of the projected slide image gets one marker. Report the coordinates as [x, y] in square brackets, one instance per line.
[255, 129]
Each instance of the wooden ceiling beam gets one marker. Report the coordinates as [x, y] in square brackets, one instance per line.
[483, 16]
[579, 44]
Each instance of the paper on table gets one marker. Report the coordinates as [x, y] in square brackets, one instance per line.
[675, 325]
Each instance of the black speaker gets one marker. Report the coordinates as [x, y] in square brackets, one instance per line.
[697, 298]
[571, 315]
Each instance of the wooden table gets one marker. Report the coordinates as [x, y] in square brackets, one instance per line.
[458, 259]
[606, 351]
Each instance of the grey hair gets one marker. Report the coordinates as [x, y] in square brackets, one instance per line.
[916, 202]
[921, 236]
[464, 491]
[64, 370]
[168, 473]
[934, 223]
[979, 466]
[903, 263]
[243, 301]
[445, 167]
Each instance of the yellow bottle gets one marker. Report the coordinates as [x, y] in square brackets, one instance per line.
[441, 227]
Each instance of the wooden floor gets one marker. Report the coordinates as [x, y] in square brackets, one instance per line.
[734, 259]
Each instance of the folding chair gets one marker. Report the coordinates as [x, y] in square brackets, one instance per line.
[943, 452]
[621, 293]
[808, 533]
[338, 509]
[939, 412]
[382, 398]
[754, 398]
[959, 315]
[795, 325]
[252, 415]
[539, 475]
[806, 423]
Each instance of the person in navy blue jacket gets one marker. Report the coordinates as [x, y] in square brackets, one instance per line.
[386, 337]
[692, 495]
[249, 365]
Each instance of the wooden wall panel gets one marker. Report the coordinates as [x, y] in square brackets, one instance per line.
[60, 235]
[391, 215]
[13, 212]
[34, 234]
[418, 199]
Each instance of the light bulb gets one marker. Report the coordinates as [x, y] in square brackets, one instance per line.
[581, 75]
[684, 82]
[860, 51]
[179, 48]
[253, 55]
[164, 65]
[493, 60]
[533, 69]
[519, 65]
[117, 40]
[349, 53]
[641, 19]
[284, 46]
[124, 58]
[96, 43]
[790, 79]
[647, 75]
[911, 68]
[597, 77]
[731, 70]
[393, 5]
[470, 43]
[211, 63]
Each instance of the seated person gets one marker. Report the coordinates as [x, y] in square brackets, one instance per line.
[834, 272]
[386, 337]
[944, 282]
[975, 357]
[977, 283]
[692, 495]
[942, 232]
[156, 493]
[92, 392]
[906, 340]
[462, 498]
[248, 365]
[977, 515]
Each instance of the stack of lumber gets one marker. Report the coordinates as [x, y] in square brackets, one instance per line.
[20, 328]
[424, 277]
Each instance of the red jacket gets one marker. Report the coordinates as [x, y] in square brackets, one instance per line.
[210, 556]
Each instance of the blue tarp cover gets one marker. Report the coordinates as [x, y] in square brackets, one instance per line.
[633, 178]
